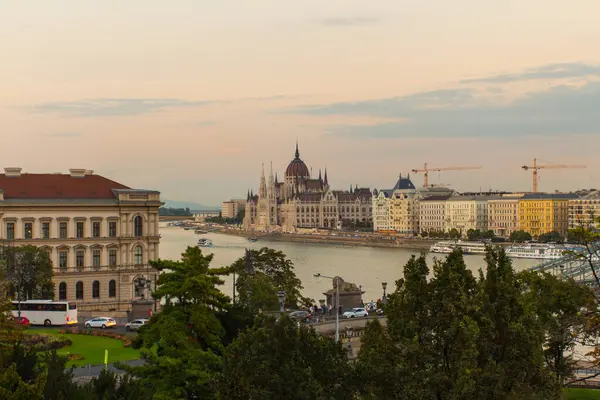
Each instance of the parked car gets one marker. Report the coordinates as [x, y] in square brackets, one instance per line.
[303, 316]
[24, 321]
[356, 313]
[101, 322]
[135, 324]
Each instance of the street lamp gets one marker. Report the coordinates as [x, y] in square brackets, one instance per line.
[335, 281]
[384, 298]
[281, 295]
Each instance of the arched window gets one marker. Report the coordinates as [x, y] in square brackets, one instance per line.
[62, 291]
[79, 290]
[138, 226]
[96, 289]
[138, 255]
[112, 288]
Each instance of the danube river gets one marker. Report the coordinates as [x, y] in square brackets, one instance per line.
[365, 266]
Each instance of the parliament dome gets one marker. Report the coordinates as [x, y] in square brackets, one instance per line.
[297, 167]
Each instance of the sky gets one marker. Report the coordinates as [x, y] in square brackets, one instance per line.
[191, 97]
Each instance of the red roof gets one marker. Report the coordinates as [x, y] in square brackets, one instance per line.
[57, 186]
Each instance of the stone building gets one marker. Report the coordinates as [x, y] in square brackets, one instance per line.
[503, 215]
[464, 213]
[99, 234]
[541, 213]
[585, 210]
[432, 214]
[301, 201]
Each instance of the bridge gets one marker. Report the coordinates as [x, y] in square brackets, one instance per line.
[575, 265]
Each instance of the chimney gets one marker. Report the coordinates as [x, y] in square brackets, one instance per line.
[12, 172]
[77, 172]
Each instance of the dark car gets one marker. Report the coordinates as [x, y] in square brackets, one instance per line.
[302, 316]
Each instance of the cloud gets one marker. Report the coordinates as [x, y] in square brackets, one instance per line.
[561, 110]
[62, 134]
[111, 107]
[551, 71]
[205, 123]
[114, 107]
[356, 21]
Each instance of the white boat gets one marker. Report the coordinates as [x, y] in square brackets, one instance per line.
[447, 247]
[205, 243]
[539, 251]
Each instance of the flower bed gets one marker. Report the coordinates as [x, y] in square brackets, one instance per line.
[112, 335]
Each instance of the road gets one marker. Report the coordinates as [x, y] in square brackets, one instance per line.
[329, 326]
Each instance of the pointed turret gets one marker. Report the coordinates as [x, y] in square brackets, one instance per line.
[248, 196]
[320, 174]
[325, 180]
[271, 185]
[297, 152]
[276, 181]
[262, 189]
[350, 188]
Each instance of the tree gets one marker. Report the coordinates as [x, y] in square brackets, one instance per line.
[30, 272]
[273, 272]
[551, 237]
[520, 236]
[279, 360]
[474, 234]
[182, 345]
[454, 234]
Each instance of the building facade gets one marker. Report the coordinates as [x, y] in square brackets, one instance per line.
[432, 214]
[465, 213]
[585, 211]
[99, 234]
[231, 208]
[301, 201]
[541, 213]
[503, 215]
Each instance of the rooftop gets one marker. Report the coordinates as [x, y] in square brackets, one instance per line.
[550, 196]
[78, 184]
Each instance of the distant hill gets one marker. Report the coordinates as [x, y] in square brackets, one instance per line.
[187, 204]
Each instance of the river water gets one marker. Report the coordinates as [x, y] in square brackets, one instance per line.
[365, 266]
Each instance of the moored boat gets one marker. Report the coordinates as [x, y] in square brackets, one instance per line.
[252, 239]
[448, 246]
[540, 251]
[205, 243]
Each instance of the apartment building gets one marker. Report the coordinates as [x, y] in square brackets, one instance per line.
[541, 213]
[503, 215]
[231, 208]
[432, 214]
[99, 234]
[464, 213]
[585, 211]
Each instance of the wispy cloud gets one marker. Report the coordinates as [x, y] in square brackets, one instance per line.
[561, 110]
[62, 134]
[356, 21]
[551, 71]
[114, 107]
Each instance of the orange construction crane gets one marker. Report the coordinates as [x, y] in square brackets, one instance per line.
[535, 167]
[427, 170]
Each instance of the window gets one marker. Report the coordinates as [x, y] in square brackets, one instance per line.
[79, 232]
[79, 290]
[96, 289]
[62, 259]
[96, 258]
[96, 229]
[62, 291]
[138, 226]
[112, 288]
[63, 230]
[79, 258]
[28, 230]
[138, 255]
[10, 230]
[112, 257]
[45, 230]
[112, 229]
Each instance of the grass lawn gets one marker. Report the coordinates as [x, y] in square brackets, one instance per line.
[91, 348]
[581, 394]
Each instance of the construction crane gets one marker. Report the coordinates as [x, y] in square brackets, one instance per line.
[535, 167]
[427, 170]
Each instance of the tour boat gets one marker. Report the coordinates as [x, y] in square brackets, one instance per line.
[205, 243]
[447, 247]
[540, 251]
[252, 239]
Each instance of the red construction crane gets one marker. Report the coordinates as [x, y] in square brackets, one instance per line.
[535, 167]
[427, 170]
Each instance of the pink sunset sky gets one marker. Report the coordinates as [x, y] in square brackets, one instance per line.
[190, 97]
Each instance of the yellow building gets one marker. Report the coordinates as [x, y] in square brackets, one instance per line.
[541, 213]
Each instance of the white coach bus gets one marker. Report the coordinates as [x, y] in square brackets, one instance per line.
[47, 312]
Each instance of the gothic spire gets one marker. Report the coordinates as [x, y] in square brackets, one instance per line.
[276, 177]
[325, 180]
[297, 152]
[320, 174]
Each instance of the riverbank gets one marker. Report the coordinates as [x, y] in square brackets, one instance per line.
[352, 241]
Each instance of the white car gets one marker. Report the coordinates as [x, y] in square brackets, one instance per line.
[356, 313]
[101, 322]
[135, 324]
